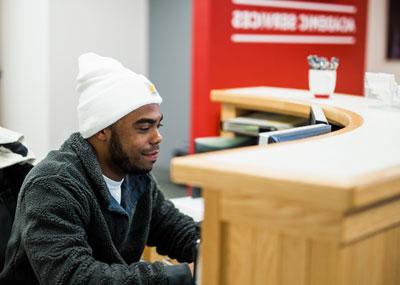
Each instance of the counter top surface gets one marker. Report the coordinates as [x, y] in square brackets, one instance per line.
[351, 160]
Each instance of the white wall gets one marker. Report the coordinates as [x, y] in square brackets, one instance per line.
[42, 40]
[116, 28]
[377, 40]
[25, 70]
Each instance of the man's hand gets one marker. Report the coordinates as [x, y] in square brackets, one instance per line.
[191, 266]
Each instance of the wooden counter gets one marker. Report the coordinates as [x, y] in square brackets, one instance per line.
[324, 210]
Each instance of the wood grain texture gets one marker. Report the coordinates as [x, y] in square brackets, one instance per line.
[373, 219]
[294, 261]
[261, 103]
[201, 170]
[376, 186]
[237, 257]
[266, 248]
[211, 245]
[372, 261]
[281, 215]
[323, 263]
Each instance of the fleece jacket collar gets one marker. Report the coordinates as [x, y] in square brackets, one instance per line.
[87, 156]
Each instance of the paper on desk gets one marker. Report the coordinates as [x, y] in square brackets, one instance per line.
[193, 207]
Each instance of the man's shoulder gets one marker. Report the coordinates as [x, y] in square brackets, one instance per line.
[57, 170]
[57, 177]
[64, 162]
[58, 163]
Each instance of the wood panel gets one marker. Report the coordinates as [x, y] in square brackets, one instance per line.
[250, 255]
[324, 260]
[294, 261]
[211, 244]
[391, 262]
[267, 246]
[371, 220]
[231, 111]
[206, 170]
[282, 215]
[279, 225]
[257, 254]
[237, 254]
[261, 103]
[376, 186]
[371, 261]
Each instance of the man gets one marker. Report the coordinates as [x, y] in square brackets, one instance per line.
[86, 211]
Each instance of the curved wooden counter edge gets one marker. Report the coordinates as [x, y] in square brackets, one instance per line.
[195, 170]
[273, 104]
[348, 194]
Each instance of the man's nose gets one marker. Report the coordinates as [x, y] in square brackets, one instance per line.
[157, 137]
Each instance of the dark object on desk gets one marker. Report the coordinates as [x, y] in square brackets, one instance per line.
[207, 144]
[318, 125]
[257, 122]
[298, 133]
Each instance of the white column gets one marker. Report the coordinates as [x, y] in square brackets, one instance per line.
[25, 71]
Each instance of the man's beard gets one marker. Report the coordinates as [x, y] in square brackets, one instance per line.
[120, 158]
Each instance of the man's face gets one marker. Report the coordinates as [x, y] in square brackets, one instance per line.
[135, 140]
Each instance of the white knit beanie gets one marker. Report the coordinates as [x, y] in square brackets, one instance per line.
[108, 91]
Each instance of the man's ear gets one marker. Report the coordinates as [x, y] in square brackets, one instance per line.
[103, 135]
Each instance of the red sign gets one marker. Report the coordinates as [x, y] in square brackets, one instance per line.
[240, 43]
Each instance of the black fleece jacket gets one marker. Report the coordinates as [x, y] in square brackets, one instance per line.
[65, 233]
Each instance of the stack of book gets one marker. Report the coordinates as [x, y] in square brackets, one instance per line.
[258, 122]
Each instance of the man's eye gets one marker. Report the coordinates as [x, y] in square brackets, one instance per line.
[144, 127]
[159, 125]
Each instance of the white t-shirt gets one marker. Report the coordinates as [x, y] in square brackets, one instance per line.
[114, 187]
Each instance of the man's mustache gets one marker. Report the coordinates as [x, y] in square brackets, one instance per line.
[151, 150]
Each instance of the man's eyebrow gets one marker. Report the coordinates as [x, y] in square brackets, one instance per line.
[147, 121]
